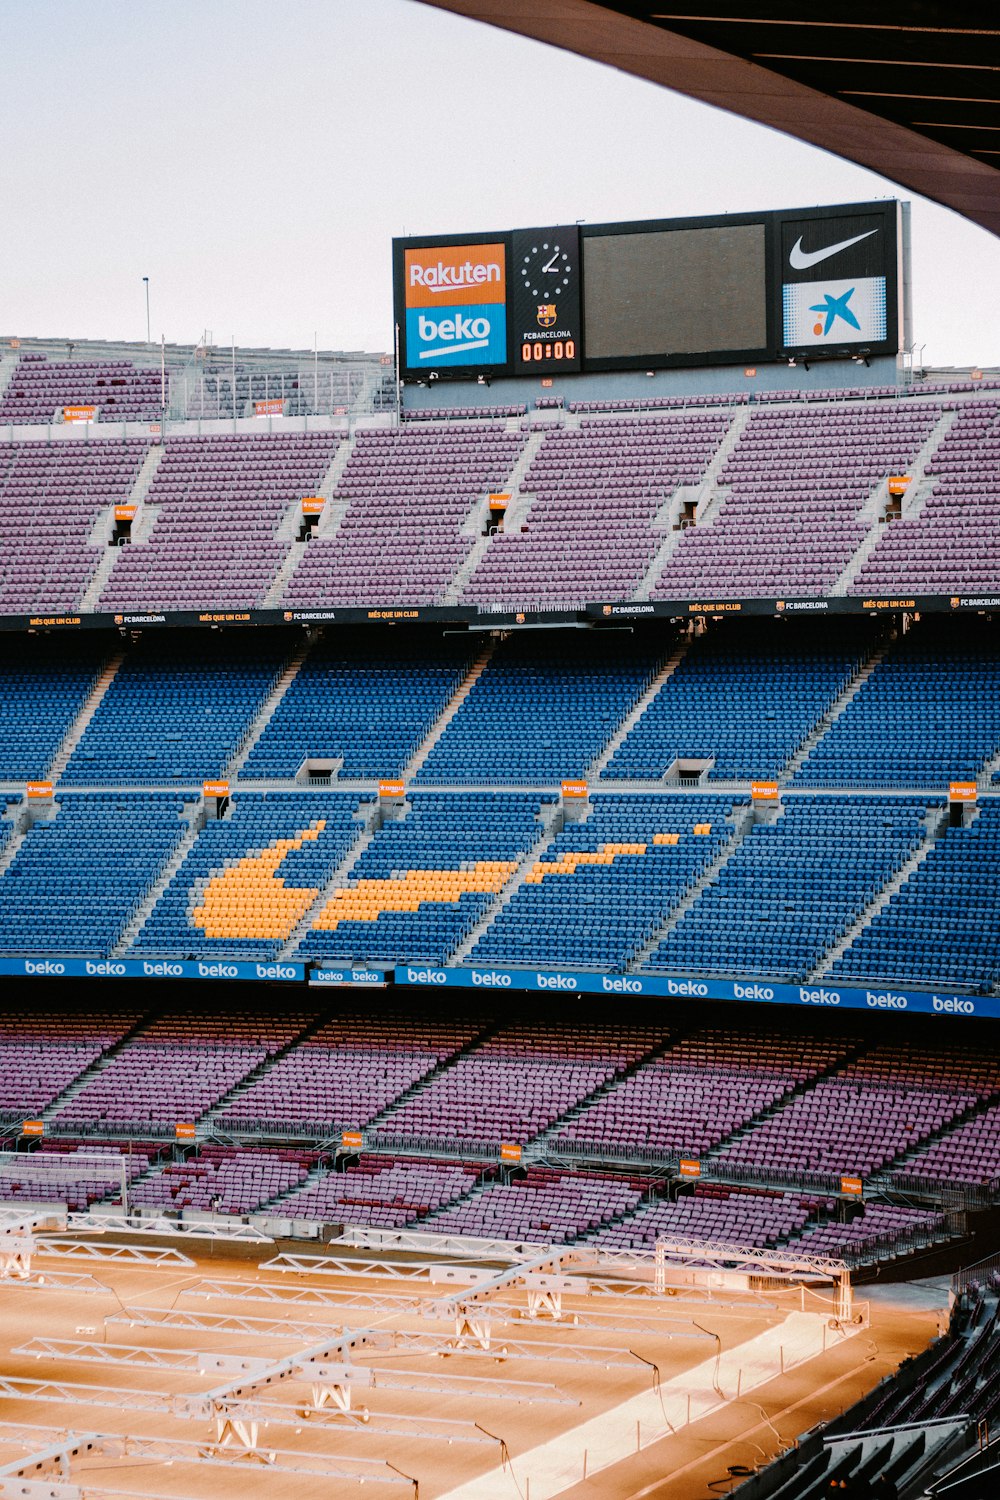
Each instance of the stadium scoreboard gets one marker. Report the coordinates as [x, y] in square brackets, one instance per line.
[736, 288]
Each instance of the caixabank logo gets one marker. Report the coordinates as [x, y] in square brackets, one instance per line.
[456, 305]
[834, 280]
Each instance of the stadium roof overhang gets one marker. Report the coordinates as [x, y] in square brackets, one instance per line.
[908, 88]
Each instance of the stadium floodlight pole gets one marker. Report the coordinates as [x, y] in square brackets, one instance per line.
[316, 372]
[146, 281]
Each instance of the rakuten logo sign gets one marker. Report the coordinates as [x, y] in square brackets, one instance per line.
[455, 275]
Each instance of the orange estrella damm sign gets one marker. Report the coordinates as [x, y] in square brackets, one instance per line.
[962, 791]
[455, 275]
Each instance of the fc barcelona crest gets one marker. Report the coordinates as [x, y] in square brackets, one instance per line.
[546, 314]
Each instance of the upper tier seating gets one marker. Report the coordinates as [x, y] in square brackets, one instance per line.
[366, 699]
[794, 886]
[795, 488]
[889, 1101]
[928, 714]
[175, 1068]
[593, 494]
[703, 1088]
[744, 697]
[534, 716]
[427, 877]
[950, 545]
[178, 709]
[51, 495]
[516, 1083]
[968, 1154]
[943, 925]
[218, 503]
[79, 875]
[408, 497]
[604, 885]
[43, 685]
[42, 1053]
[591, 519]
[39, 389]
[250, 877]
[347, 1072]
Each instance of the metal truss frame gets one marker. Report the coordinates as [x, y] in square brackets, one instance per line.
[461, 1246]
[132, 1356]
[717, 1255]
[361, 1269]
[91, 1223]
[15, 1256]
[176, 1318]
[63, 1281]
[132, 1255]
[274, 1292]
[69, 1446]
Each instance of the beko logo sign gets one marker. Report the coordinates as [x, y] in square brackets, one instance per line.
[456, 305]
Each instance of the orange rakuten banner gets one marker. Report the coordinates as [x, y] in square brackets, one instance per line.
[851, 1186]
[215, 789]
[575, 789]
[689, 1167]
[39, 789]
[962, 791]
[764, 791]
[455, 275]
[509, 1152]
[33, 1127]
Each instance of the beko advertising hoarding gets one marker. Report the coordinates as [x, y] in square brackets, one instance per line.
[734, 289]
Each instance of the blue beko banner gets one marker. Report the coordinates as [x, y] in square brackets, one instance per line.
[366, 978]
[150, 968]
[812, 995]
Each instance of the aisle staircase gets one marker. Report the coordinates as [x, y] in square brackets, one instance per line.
[91, 704]
[449, 711]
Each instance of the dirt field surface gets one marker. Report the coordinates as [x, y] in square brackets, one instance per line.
[229, 1378]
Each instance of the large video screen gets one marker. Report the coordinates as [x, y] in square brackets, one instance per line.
[675, 291]
[732, 289]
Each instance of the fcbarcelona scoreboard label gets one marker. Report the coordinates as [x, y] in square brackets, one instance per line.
[489, 303]
[737, 288]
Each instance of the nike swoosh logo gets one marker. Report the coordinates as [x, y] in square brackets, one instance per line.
[801, 260]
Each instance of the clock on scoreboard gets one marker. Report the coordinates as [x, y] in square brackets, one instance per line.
[544, 299]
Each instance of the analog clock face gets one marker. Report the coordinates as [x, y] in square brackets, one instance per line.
[545, 270]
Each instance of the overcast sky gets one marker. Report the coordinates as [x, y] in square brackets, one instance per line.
[254, 161]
